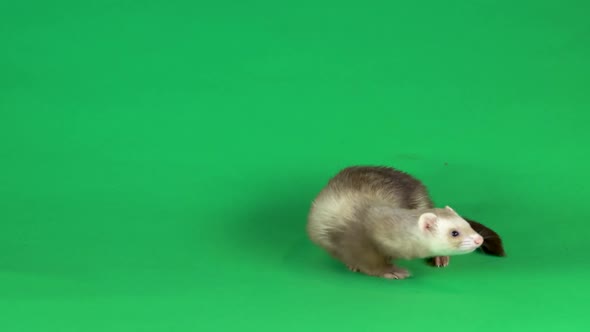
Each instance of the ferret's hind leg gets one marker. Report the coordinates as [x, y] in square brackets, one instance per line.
[371, 263]
[368, 260]
[359, 254]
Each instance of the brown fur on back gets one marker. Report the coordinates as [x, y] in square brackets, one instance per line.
[385, 183]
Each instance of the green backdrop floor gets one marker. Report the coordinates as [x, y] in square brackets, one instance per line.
[158, 158]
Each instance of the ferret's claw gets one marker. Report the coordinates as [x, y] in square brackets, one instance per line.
[439, 261]
[396, 273]
[353, 269]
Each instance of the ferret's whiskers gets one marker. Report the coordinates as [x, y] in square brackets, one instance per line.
[486, 234]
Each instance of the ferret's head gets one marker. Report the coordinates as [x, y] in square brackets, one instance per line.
[447, 233]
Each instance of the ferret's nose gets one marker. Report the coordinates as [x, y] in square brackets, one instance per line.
[478, 240]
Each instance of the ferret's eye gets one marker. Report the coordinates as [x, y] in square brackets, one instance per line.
[454, 233]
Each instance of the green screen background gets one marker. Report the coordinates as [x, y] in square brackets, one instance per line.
[158, 159]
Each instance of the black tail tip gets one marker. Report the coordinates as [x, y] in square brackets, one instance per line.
[492, 244]
[494, 248]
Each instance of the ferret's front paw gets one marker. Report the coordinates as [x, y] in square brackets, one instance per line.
[439, 261]
[396, 273]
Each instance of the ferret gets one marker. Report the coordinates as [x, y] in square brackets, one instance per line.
[369, 216]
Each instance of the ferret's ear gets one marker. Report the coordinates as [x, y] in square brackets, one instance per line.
[427, 221]
[449, 208]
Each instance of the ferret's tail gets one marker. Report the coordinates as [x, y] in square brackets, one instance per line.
[492, 244]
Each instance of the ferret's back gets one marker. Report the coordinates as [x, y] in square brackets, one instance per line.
[395, 187]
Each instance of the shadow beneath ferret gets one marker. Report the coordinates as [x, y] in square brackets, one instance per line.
[273, 230]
